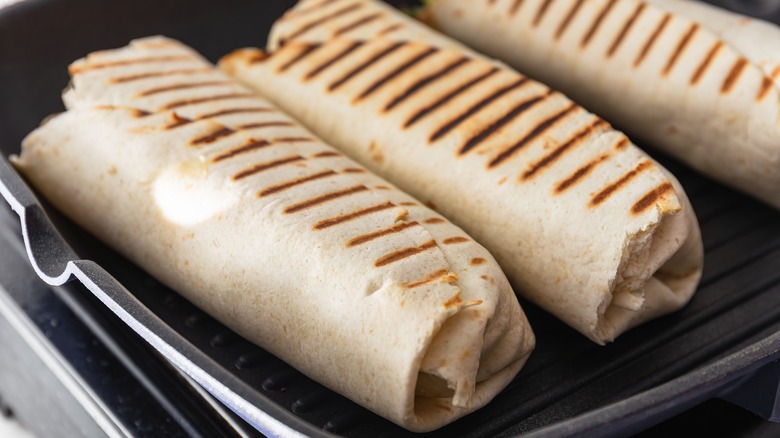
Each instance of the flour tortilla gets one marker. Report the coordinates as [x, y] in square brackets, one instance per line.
[296, 247]
[696, 81]
[585, 224]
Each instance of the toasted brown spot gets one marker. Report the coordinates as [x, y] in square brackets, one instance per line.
[357, 23]
[334, 60]
[433, 277]
[251, 145]
[327, 154]
[533, 134]
[569, 17]
[651, 197]
[74, 70]
[195, 101]
[381, 187]
[597, 125]
[186, 86]
[775, 73]
[449, 96]
[404, 253]
[212, 136]
[680, 48]
[515, 7]
[319, 21]
[293, 140]
[158, 74]
[425, 81]
[597, 23]
[265, 166]
[327, 223]
[706, 62]
[454, 301]
[396, 72]
[626, 28]
[364, 65]
[376, 235]
[306, 50]
[296, 182]
[354, 170]
[434, 220]
[733, 75]
[580, 173]
[408, 204]
[607, 191]
[453, 240]
[271, 124]
[476, 261]
[541, 11]
[389, 29]
[766, 85]
[652, 39]
[313, 202]
[177, 121]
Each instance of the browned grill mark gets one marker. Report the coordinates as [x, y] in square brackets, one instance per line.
[177, 121]
[607, 191]
[651, 197]
[626, 28]
[597, 125]
[537, 131]
[195, 101]
[74, 70]
[339, 56]
[505, 119]
[158, 74]
[322, 20]
[389, 29]
[293, 140]
[266, 166]
[408, 204]
[449, 96]
[622, 143]
[652, 39]
[327, 154]
[454, 240]
[404, 253]
[137, 112]
[260, 56]
[251, 145]
[305, 51]
[232, 111]
[327, 223]
[429, 279]
[569, 17]
[766, 85]
[434, 220]
[212, 136]
[158, 90]
[706, 62]
[271, 124]
[382, 187]
[313, 202]
[515, 7]
[597, 23]
[476, 261]
[775, 73]
[357, 23]
[381, 233]
[396, 72]
[364, 65]
[541, 11]
[733, 75]
[296, 182]
[580, 173]
[452, 124]
[425, 81]
[354, 170]
[680, 48]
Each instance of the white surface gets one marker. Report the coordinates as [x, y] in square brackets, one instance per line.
[10, 428]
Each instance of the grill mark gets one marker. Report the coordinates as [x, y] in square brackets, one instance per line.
[425, 81]
[271, 124]
[313, 202]
[124, 62]
[498, 124]
[776, 73]
[547, 160]
[431, 278]
[597, 23]
[766, 85]
[354, 170]
[157, 74]
[293, 140]
[261, 55]
[541, 11]
[181, 121]
[569, 17]
[327, 154]
[680, 48]
[265, 166]
[408, 204]
[651, 197]
[357, 23]
[404, 253]
[376, 235]
[626, 28]
[306, 51]
[652, 39]
[357, 70]
[212, 137]
[320, 21]
[434, 220]
[158, 90]
[251, 145]
[706, 62]
[177, 121]
[452, 124]
[396, 72]
[733, 76]
[327, 223]
[454, 240]
[341, 55]
[621, 144]
[290, 184]
[609, 190]
[449, 96]
[580, 173]
[186, 102]
[389, 29]
[537, 131]
[515, 7]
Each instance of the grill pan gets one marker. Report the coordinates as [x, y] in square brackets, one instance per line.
[724, 343]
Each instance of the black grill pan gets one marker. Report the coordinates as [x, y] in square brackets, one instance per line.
[724, 343]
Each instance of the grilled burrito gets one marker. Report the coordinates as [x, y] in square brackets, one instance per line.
[584, 223]
[291, 244]
[693, 80]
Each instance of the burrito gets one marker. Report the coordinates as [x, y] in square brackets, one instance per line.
[698, 82]
[584, 223]
[288, 242]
